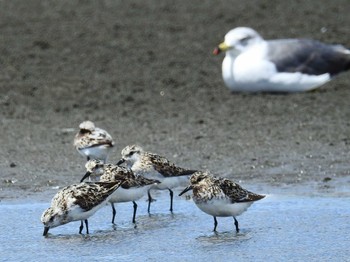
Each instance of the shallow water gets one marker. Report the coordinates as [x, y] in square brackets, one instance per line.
[277, 228]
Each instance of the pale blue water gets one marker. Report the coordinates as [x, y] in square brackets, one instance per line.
[278, 228]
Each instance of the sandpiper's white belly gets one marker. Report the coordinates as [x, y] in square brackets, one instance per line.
[95, 152]
[77, 213]
[126, 195]
[222, 207]
[166, 182]
[171, 182]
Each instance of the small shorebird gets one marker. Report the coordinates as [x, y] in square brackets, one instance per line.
[252, 64]
[133, 186]
[220, 197]
[156, 167]
[93, 142]
[77, 202]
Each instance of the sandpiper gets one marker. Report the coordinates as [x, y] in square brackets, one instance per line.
[133, 186]
[77, 202]
[156, 167]
[220, 197]
[93, 142]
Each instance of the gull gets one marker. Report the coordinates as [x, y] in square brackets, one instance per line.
[252, 64]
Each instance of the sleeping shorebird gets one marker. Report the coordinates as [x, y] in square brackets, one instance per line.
[133, 186]
[220, 197]
[156, 167]
[93, 142]
[252, 64]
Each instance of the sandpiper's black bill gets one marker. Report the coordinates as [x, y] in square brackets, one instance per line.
[121, 161]
[85, 176]
[46, 230]
[186, 189]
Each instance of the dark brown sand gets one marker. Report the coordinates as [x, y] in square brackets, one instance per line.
[144, 71]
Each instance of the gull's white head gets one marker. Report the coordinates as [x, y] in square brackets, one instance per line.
[238, 40]
[131, 154]
[87, 125]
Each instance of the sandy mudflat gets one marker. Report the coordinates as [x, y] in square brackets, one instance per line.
[143, 70]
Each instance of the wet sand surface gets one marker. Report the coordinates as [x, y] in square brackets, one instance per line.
[143, 70]
[288, 228]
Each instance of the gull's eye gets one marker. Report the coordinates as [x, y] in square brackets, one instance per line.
[244, 41]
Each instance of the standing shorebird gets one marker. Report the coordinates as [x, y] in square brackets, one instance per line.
[220, 197]
[77, 202]
[133, 186]
[252, 64]
[93, 142]
[156, 167]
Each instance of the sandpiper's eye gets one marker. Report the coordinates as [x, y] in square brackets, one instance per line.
[51, 219]
[198, 179]
[84, 131]
[131, 153]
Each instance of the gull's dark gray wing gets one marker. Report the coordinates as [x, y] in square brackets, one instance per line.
[308, 56]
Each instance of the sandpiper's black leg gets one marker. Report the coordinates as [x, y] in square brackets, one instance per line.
[87, 226]
[134, 215]
[236, 224]
[113, 212]
[171, 199]
[88, 159]
[215, 224]
[149, 201]
[81, 227]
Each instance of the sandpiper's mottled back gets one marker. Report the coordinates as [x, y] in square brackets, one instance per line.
[77, 202]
